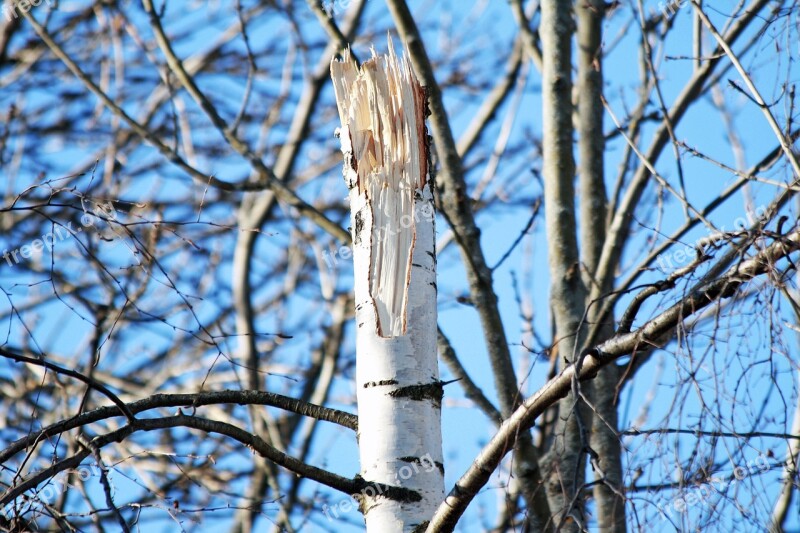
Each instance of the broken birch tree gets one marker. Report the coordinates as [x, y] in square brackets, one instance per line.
[385, 145]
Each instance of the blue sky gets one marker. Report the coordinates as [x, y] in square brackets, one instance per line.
[486, 28]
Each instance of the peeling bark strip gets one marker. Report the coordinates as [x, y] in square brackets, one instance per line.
[384, 142]
[382, 109]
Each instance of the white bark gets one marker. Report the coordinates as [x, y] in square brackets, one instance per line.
[384, 142]
[780, 512]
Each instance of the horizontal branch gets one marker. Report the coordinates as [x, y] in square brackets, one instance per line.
[255, 443]
[247, 397]
[718, 434]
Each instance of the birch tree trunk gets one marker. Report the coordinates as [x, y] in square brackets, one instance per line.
[385, 146]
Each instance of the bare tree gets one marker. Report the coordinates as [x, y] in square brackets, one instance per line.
[205, 327]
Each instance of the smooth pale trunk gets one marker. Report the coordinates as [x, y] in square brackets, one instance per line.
[384, 142]
[565, 459]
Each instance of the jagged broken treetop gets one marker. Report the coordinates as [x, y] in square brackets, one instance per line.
[384, 141]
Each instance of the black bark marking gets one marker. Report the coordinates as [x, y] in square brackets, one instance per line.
[433, 255]
[390, 492]
[418, 460]
[359, 228]
[430, 391]
[382, 383]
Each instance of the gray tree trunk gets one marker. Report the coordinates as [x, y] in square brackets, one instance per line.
[564, 464]
[603, 439]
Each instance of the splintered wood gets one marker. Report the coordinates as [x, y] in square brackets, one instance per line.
[384, 141]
